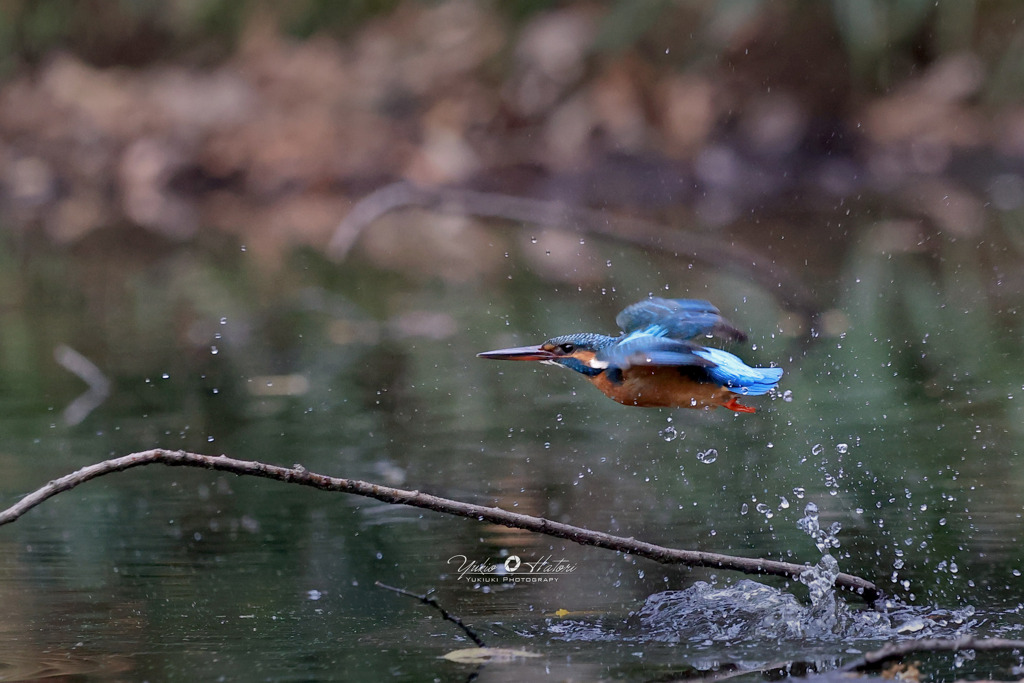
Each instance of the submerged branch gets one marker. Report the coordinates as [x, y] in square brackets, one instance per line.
[874, 659]
[430, 600]
[298, 475]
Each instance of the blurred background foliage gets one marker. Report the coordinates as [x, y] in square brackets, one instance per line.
[174, 115]
[883, 40]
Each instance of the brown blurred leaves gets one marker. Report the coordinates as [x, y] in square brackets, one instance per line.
[275, 142]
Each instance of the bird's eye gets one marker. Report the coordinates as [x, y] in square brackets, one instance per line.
[567, 348]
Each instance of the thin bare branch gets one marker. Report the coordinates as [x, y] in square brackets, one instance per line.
[428, 599]
[875, 658]
[299, 475]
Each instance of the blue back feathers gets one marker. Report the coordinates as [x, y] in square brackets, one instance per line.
[658, 332]
[678, 319]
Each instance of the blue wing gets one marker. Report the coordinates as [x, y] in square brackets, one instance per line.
[656, 333]
[722, 367]
[679, 319]
[740, 378]
[642, 348]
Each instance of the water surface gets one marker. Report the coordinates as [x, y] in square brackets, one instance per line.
[898, 417]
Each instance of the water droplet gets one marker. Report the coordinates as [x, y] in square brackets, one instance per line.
[787, 396]
[842, 448]
[214, 350]
[707, 457]
[799, 492]
[533, 239]
[824, 539]
[783, 503]
[668, 433]
[744, 509]
[817, 449]
[608, 263]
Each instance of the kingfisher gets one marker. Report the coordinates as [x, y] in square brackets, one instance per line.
[654, 362]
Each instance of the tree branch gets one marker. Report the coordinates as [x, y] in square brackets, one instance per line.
[874, 659]
[298, 475]
[430, 600]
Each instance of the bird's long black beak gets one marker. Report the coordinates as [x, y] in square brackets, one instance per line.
[518, 353]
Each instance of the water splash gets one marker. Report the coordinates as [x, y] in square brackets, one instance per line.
[748, 612]
[752, 614]
[824, 539]
[668, 433]
[821, 580]
[707, 457]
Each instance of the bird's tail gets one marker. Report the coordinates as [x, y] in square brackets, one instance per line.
[737, 376]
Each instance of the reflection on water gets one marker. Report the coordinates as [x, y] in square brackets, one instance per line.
[899, 421]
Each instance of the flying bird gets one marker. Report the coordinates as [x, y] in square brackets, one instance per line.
[654, 362]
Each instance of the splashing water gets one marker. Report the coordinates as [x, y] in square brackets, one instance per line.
[826, 609]
[748, 612]
[820, 580]
[825, 539]
[753, 614]
[669, 433]
[707, 457]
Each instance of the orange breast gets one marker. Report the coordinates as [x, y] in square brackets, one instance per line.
[663, 387]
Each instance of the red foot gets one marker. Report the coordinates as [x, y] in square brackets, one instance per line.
[734, 404]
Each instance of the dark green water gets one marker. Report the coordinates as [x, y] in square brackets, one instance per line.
[901, 420]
